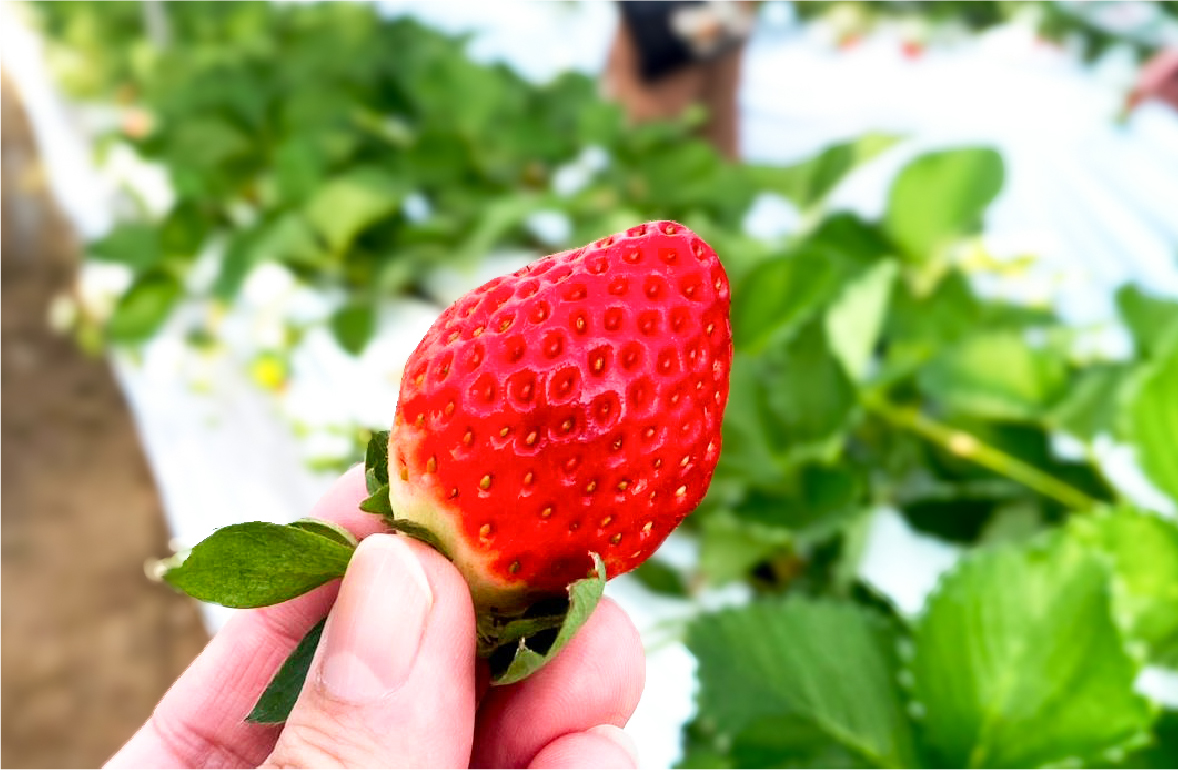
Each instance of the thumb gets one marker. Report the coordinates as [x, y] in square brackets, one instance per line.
[392, 683]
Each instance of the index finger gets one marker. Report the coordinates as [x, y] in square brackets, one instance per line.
[200, 722]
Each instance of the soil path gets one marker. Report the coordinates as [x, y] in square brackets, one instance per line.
[89, 645]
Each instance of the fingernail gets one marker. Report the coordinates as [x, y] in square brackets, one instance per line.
[375, 627]
[618, 737]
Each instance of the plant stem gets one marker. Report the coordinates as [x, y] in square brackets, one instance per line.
[968, 446]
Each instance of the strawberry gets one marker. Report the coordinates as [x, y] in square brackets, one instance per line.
[570, 408]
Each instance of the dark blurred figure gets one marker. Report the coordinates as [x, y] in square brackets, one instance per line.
[668, 56]
[1157, 81]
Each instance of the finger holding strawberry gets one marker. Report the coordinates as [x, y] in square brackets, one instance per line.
[393, 682]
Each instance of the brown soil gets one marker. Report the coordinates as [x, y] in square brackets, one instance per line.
[89, 645]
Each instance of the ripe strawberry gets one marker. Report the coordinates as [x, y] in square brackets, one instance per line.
[571, 407]
[912, 49]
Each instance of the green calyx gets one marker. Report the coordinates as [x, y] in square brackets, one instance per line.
[516, 642]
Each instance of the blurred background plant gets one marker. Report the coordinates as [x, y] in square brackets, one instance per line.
[879, 362]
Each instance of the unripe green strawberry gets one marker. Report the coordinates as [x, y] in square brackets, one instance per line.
[573, 407]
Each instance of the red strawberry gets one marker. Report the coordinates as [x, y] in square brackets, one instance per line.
[912, 49]
[571, 407]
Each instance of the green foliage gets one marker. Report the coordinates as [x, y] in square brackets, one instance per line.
[1002, 682]
[940, 197]
[1153, 321]
[806, 678]
[280, 149]
[1143, 551]
[865, 377]
[1153, 420]
[258, 563]
[996, 375]
[1018, 660]
[144, 307]
[279, 697]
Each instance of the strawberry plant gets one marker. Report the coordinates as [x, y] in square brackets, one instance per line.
[360, 174]
[875, 376]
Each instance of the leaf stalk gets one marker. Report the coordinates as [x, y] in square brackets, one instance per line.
[968, 446]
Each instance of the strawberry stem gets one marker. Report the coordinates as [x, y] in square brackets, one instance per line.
[970, 447]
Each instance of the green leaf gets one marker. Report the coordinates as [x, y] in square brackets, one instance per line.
[829, 670]
[810, 397]
[835, 162]
[376, 461]
[1018, 662]
[205, 141]
[1150, 319]
[957, 513]
[1015, 523]
[1152, 419]
[134, 244]
[731, 547]
[350, 203]
[275, 704]
[378, 502]
[814, 501]
[1162, 750]
[497, 219]
[515, 662]
[417, 532]
[353, 326]
[326, 529]
[947, 312]
[660, 578]
[1092, 402]
[997, 375]
[259, 563]
[854, 240]
[1144, 551]
[143, 309]
[291, 240]
[748, 455]
[809, 182]
[940, 197]
[788, 742]
[780, 295]
[854, 321]
[240, 257]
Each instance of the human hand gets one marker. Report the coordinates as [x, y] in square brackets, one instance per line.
[394, 682]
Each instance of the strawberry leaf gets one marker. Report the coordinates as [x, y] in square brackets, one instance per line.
[279, 698]
[376, 472]
[1152, 417]
[417, 532]
[801, 681]
[942, 196]
[1143, 549]
[326, 529]
[376, 462]
[515, 661]
[260, 563]
[1000, 684]
[378, 503]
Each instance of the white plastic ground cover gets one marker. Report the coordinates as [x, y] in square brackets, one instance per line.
[1092, 198]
